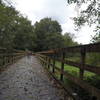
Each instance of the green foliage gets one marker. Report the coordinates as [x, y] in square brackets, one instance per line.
[94, 59]
[7, 18]
[15, 30]
[69, 40]
[24, 33]
[89, 15]
[54, 41]
[48, 34]
[96, 38]
[94, 80]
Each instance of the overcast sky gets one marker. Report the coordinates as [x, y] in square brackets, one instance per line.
[57, 10]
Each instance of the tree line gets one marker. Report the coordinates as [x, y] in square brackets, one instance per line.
[17, 32]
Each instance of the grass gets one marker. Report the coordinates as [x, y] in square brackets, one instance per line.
[74, 70]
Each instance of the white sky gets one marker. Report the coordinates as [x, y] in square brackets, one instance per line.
[57, 10]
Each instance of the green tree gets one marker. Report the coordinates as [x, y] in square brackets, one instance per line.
[24, 34]
[7, 23]
[15, 30]
[46, 30]
[54, 41]
[69, 40]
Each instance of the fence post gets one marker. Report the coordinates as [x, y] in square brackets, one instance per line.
[8, 58]
[48, 63]
[3, 60]
[12, 58]
[45, 60]
[62, 65]
[53, 67]
[83, 56]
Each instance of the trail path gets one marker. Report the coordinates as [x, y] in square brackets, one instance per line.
[27, 80]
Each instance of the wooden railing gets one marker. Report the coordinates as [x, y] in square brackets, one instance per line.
[8, 57]
[49, 59]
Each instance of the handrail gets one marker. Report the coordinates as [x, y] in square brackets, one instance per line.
[8, 58]
[49, 58]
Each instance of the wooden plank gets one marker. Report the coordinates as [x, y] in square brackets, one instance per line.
[89, 48]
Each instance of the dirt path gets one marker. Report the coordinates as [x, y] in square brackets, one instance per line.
[27, 80]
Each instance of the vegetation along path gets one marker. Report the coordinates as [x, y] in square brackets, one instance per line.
[27, 80]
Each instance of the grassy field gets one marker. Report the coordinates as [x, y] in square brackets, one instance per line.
[74, 70]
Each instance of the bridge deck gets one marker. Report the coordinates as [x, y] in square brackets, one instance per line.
[27, 80]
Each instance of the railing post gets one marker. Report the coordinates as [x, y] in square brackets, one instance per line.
[3, 60]
[48, 63]
[53, 67]
[45, 60]
[8, 58]
[62, 65]
[83, 56]
[12, 58]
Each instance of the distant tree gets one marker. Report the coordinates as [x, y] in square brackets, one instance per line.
[69, 40]
[44, 30]
[54, 41]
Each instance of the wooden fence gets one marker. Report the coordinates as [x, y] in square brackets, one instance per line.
[49, 59]
[8, 57]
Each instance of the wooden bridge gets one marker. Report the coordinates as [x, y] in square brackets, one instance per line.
[43, 75]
